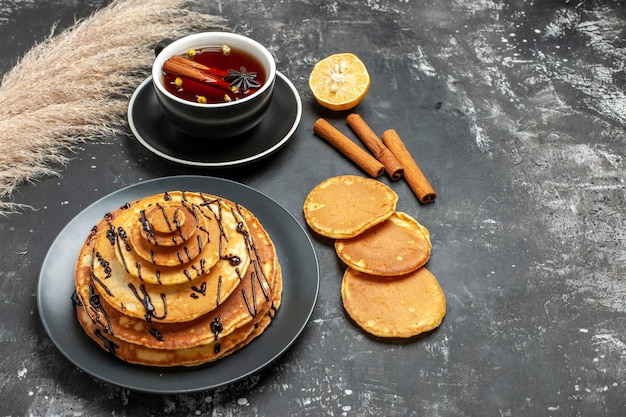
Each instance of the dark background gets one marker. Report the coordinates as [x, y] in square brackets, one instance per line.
[515, 110]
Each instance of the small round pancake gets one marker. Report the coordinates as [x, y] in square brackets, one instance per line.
[397, 246]
[393, 307]
[189, 234]
[345, 206]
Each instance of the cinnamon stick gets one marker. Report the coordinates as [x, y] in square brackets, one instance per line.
[350, 149]
[187, 68]
[392, 166]
[412, 173]
[215, 72]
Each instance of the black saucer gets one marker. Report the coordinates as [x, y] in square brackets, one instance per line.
[158, 135]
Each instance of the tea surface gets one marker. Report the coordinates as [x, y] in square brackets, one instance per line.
[214, 74]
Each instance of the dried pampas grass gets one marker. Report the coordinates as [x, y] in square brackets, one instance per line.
[75, 86]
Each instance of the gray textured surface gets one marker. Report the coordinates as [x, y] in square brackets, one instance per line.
[516, 110]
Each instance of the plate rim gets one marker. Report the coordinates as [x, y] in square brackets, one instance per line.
[222, 164]
[93, 210]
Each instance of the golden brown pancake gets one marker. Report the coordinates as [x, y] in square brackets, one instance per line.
[394, 307]
[345, 206]
[253, 293]
[396, 246]
[194, 243]
[170, 235]
[104, 260]
[241, 317]
[198, 355]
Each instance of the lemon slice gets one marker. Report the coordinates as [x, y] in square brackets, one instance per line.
[340, 81]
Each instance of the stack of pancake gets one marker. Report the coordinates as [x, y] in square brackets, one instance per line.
[386, 288]
[177, 279]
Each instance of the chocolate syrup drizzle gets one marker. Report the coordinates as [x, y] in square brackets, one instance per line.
[167, 220]
[157, 335]
[145, 299]
[177, 224]
[208, 203]
[216, 327]
[108, 344]
[95, 278]
[256, 276]
[92, 235]
[105, 265]
[121, 233]
[111, 233]
[145, 224]
[98, 311]
[201, 289]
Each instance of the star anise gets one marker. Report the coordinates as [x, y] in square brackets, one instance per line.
[242, 80]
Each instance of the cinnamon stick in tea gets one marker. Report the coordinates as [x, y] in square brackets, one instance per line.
[180, 66]
[214, 72]
[350, 149]
[412, 173]
[392, 166]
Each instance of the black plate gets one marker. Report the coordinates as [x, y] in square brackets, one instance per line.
[300, 288]
[154, 131]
